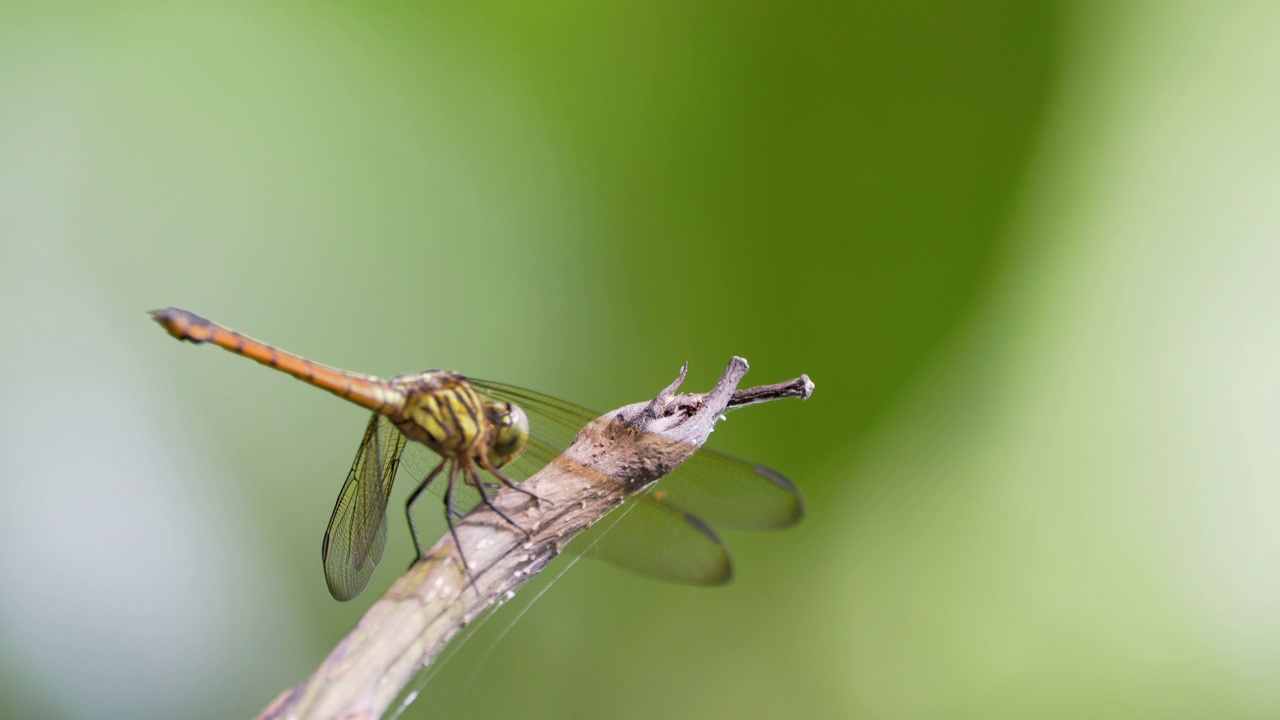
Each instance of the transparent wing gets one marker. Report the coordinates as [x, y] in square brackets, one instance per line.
[654, 538]
[717, 488]
[665, 533]
[645, 535]
[733, 494]
[357, 531]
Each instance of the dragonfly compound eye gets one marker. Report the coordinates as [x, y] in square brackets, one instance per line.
[510, 432]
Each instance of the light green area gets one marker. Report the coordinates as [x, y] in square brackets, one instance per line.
[1028, 256]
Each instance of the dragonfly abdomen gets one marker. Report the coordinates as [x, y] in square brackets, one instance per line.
[367, 391]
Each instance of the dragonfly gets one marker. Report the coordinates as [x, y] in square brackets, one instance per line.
[468, 429]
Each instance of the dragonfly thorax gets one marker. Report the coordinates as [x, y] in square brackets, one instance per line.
[444, 412]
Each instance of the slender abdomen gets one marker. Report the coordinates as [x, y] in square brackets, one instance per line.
[364, 390]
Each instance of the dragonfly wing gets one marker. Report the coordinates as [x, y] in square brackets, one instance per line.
[645, 535]
[652, 537]
[664, 533]
[553, 422]
[733, 494]
[720, 489]
[357, 531]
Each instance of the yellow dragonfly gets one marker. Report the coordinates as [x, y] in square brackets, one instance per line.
[477, 426]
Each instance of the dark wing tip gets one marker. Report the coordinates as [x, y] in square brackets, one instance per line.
[724, 579]
[698, 524]
[797, 509]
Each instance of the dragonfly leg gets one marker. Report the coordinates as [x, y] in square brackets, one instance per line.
[484, 498]
[448, 518]
[514, 486]
[413, 497]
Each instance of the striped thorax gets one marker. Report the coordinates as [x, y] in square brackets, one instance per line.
[446, 414]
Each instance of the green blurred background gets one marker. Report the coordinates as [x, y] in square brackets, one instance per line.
[1027, 252]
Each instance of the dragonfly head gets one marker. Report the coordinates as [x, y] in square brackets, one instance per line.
[510, 432]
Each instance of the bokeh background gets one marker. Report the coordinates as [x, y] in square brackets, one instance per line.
[1029, 253]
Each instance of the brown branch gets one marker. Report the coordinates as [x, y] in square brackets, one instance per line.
[612, 458]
